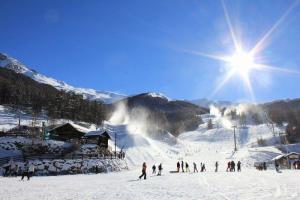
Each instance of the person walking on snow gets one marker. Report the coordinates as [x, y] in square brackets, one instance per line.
[187, 169]
[178, 166]
[144, 168]
[12, 167]
[159, 170]
[153, 169]
[239, 166]
[182, 166]
[216, 165]
[232, 166]
[25, 171]
[31, 170]
[195, 167]
[203, 168]
[228, 166]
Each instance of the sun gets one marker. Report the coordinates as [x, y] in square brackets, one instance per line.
[242, 63]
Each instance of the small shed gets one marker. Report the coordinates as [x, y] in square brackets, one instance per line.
[287, 160]
[98, 137]
[68, 131]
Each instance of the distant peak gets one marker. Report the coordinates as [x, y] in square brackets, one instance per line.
[158, 95]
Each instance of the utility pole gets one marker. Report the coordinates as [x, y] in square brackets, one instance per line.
[234, 127]
[115, 144]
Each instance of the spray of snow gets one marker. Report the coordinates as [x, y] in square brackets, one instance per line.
[219, 118]
[136, 119]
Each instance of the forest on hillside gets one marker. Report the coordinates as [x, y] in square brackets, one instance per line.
[21, 92]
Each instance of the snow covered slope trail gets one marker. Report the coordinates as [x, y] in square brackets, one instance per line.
[246, 185]
[91, 94]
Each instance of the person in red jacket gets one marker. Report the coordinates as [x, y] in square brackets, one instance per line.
[144, 171]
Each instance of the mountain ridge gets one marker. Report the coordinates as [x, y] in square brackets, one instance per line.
[90, 94]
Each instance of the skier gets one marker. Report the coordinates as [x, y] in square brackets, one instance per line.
[178, 166]
[277, 166]
[239, 166]
[265, 166]
[232, 166]
[187, 169]
[203, 168]
[153, 169]
[195, 167]
[12, 167]
[25, 171]
[216, 165]
[182, 166]
[30, 171]
[144, 168]
[17, 170]
[159, 169]
[228, 166]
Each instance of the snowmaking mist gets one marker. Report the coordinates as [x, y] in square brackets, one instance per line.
[136, 119]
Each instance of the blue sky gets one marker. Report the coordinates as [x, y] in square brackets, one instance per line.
[138, 46]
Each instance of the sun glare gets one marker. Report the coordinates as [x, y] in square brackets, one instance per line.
[242, 63]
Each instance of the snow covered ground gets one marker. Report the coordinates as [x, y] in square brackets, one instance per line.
[201, 145]
[246, 185]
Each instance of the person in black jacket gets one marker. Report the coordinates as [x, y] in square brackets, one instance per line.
[239, 166]
[182, 166]
[216, 165]
[232, 166]
[187, 168]
[178, 166]
[195, 167]
[159, 170]
[153, 169]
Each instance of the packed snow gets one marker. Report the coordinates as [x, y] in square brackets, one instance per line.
[202, 145]
[246, 185]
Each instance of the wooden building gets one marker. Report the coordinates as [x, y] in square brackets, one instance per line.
[68, 131]
[100, 138]
[286, 161]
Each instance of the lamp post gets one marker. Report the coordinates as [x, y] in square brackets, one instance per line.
[234, 137]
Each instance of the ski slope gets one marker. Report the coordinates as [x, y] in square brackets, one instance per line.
[201, 145]
[246, 185]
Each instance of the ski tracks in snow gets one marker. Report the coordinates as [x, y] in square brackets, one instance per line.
[211, 189]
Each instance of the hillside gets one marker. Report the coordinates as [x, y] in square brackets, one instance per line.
[90, 94]
[24, 94]
[159, 112]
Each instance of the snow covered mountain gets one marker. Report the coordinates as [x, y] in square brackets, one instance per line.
[91, 94]
[205, 103]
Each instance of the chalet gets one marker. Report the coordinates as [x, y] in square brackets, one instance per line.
[68, 131]
[286, 161]
[99, 137]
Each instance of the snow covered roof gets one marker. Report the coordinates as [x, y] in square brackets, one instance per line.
[97, 133]
[75, 126]
[285, 155]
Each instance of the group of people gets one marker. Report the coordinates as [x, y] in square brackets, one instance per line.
[13, 169]
[159, 169]
[144, 170]
[231, 166]
[185, 167]
[261, 166]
